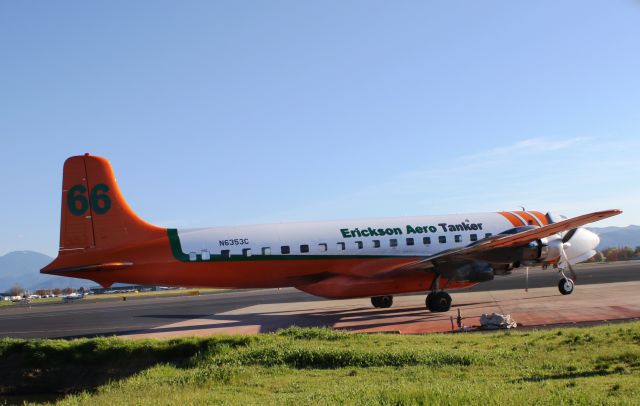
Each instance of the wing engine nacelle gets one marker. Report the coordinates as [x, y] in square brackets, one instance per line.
[549, 249]
[466, 271]
[528, 254]
[534, 253]
[578, 244]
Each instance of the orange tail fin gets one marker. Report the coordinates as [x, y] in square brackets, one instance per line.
[94, 213]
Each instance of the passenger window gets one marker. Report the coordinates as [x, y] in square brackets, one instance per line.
[442, 239]
[473, 237]
[376, 243]
[426, 240]
[304, 248]
[359, 244]
[225, 253]
[457, 238]
[193, 256]
[266, 251]
[393, 242]
[487, 235]
[323, 247]
[246, 252]
[205, 255]
[341, 246]
[285, 249]
[409, 241]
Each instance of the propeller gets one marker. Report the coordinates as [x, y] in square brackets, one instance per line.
[567, 236]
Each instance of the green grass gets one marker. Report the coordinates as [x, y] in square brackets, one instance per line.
[119, 296]
[47, 300]
[172, 292]
[599, 365]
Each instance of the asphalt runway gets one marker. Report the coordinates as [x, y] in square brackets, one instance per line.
[105, 318]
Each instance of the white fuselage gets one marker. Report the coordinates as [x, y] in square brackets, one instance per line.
[399, 236]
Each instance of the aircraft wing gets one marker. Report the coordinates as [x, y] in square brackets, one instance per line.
[513, 240]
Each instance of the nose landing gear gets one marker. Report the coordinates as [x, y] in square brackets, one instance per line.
[565, 286]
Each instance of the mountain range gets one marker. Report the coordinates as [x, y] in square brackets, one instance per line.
[23, 267]
[618, 236]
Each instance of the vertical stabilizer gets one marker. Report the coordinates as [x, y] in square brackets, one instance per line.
[94, 212]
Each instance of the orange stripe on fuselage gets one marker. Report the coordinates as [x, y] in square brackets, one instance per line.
[541, 217]
[528, 218]
[304, 274]
[531, 221]
[154, 264]
[513, 219]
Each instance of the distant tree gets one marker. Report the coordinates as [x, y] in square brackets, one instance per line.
[82, 289]
[42, 292]
[17, 290]
[67, 291]
[626, 253]
[618, 254]
[598, 257]
[637, 251]
[610, 254]
[56, 291]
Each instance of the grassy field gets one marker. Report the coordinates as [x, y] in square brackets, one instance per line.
[119, 296]
[172, 292]
[599, 365]
[47, 300]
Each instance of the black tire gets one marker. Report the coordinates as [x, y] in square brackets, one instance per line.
[382, 302]
[438, 302]
[387, 301]
[375, 301]
[427, 301]
[566, 286]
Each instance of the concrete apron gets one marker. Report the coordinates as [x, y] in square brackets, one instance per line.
[536, 308]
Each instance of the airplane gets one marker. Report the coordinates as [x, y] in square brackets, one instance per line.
[102, 239]
[72, 297]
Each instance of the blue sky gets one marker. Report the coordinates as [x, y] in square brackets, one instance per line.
[216, 113]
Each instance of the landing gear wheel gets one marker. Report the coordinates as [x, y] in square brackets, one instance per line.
[565, 286]
[382, 302]
[438, 301]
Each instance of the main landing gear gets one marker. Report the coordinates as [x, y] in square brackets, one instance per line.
[382, 302]
[438, 301]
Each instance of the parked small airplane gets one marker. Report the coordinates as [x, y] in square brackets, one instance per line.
[102, 239]
[72, 297]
